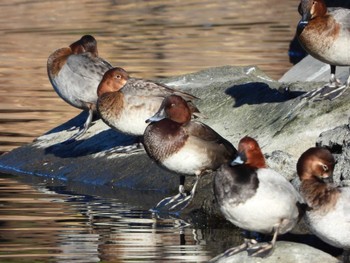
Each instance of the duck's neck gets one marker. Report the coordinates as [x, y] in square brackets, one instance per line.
[319, 195]
[324, 25]
[110, 103]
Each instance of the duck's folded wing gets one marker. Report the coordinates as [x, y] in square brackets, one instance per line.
[341, 15]
[87, 66]
[151, 88]
[204, 132]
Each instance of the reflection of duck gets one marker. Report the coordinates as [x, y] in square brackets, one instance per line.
[329, 216]
[125, 103]
[255, 198]
[325, 35]
[75, 73]
[184, 146]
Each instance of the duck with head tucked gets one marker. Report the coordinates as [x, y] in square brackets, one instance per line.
[75, 73]
[187, 147]
[329, 213]
[125, 103]
[256, 198]
[325, 35]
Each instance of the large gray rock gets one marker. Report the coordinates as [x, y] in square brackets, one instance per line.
[337, 140]
[237, 101]
[311, 69]
[286, 252]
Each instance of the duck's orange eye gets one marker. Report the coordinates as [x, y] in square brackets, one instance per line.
[325, 167]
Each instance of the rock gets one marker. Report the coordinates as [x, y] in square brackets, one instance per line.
[237, 101]
[286, 252]
[283, 163]
[311, 69]
[337, 140]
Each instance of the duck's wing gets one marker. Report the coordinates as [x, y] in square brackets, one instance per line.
[87, 66]
[341, 15]
[207, 134]
[150, 88]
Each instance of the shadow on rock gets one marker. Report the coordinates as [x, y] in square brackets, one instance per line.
[259, 92]
[106, 140]
[76, 122]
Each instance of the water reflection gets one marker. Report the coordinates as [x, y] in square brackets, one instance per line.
[149, 38]
[37, 223]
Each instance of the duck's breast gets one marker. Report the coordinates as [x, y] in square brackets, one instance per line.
[191, 159]
[333, 226]
[131, 118]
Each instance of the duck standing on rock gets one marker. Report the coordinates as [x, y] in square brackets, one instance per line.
[325, 35]
[189, 148]
[256, 198]
[329, 213]
[75, 73]
[125, 103]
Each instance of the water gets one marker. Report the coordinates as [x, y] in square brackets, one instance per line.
[52, 222]
[149, 39]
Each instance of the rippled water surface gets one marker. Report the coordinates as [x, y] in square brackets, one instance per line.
[49, 222]
[148, 38]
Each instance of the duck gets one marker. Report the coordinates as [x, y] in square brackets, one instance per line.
[329, 214]
[125, 103]
[183, 145]
[325, 35]
[256, 198]
[75, 73]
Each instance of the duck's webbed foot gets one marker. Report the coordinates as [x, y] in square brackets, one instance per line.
[81, 129]
[76, 136]
[334, 82]
[261, 250]
[327, 92]
[126, 149]
[173, 204]
[331, 93]
[245, 246]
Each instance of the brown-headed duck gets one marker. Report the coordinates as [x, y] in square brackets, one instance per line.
[185, 146]
[256, 198]
[325, 35]
[329, 213]
[75, 73]
[125, 103]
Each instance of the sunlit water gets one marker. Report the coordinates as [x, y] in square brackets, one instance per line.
[149, 39]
